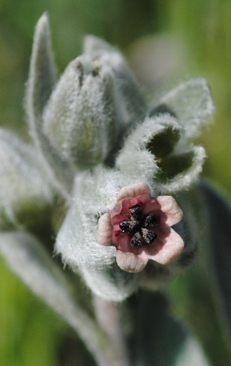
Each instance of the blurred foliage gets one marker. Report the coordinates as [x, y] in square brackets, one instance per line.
[30, 333]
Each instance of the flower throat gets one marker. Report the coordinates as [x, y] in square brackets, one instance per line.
[140, 227]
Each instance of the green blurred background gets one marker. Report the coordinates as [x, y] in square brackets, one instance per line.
[165, 42]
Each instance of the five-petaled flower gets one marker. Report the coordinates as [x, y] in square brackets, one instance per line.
[140, 228]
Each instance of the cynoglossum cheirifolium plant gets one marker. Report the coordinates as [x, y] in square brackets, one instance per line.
[126, 170]
[123, 167]
[156, 158]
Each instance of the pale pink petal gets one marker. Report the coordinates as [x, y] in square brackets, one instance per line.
[129, 262]
[134, 190]
[171, 209]
[166, 252]
[105, 230]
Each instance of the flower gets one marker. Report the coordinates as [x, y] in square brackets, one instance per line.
[140, 228]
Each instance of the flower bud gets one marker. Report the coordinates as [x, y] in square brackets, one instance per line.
[128, 97]
[80, 118]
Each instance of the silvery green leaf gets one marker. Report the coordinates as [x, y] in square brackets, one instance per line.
[24, 187]
[94, 194]
[80, 119]
[42, 70]
[192, 104]
[26, 257]
[153, 139]
[39, 87]
[129, 99]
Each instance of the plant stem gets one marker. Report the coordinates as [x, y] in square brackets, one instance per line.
[109, 318]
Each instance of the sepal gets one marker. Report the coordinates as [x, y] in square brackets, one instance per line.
[158, 151]
[139, 155]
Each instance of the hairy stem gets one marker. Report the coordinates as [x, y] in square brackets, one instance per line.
[109, 318]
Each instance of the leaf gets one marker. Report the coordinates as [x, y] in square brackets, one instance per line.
[26, 257]
[192, 104]
[219, 231]
[157, 338]
[25, 192]
[42, 70]
[39, 87]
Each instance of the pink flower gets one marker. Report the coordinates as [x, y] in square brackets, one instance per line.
[140, 228]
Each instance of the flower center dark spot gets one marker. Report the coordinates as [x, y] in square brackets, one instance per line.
[136, 213]
[139, 227]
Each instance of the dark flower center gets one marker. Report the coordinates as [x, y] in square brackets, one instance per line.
[139, 227]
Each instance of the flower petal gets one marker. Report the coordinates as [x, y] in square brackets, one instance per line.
[170, 248]
[134, 190]
[105, 230]
[170, 208]
[130, 262]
